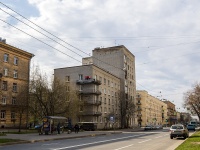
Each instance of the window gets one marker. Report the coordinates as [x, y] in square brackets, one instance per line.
[67, 78]
[12, 115]
[67, 88]
[15, 74]
[5, 85]
[13, 100]
[104, 81]
[80, 77]
[14, 87]
[108, 82]
[80, 88]
[105, 101]
[105, 110]
[5, 72]
[5, 57]
[100, 78]
[3, 114]
[81, 108]
[15, 61]
[3, 100]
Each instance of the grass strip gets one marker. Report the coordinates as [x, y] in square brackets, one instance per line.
[192, 143]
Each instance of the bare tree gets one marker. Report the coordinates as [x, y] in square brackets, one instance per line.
[130, 111]
[51, 98]
[192, 100]
[22, 106]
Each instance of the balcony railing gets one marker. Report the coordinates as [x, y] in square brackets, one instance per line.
[139, 115]
[92, 102]
[138, 98]
[97, 92]
[90, 113]
[139, 109]
[138, 103]
[88, 81]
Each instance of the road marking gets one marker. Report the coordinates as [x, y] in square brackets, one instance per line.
[97, 142]
[158, 137]
[124, 147]
[144, 141]
[50, 144]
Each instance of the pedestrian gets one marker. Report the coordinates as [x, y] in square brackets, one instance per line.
[58, 127]
[76, 128]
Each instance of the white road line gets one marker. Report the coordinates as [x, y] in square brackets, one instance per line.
[158, 137]
[144, 141]
[124, 147]
[50, 144]
[97, 142]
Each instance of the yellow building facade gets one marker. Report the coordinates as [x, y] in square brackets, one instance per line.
[150, 110]
[14, 77]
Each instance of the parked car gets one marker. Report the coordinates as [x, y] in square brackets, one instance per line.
[178, 130]
[191, 127]
[148, 127]
[159, 127]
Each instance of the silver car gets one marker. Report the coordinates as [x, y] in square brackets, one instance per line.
[178, 130]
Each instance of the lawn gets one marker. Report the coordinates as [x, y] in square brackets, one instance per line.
[192, 143]
[8, 140]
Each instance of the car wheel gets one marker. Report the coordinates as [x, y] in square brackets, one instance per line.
[185, 136]
[171, 137]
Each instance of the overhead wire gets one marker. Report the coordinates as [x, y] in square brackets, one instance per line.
[51, 38]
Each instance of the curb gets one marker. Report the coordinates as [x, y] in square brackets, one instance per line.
[61, 138]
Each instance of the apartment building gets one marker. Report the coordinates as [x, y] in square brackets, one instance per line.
[119, 61]
[98, 91]
[171, 113]
[14, 79]
[150, 110]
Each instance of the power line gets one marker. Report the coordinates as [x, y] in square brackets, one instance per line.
[49, 37]
[39, 40]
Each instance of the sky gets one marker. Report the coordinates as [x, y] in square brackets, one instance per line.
[164, 36]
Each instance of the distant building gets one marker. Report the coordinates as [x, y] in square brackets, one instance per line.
[171, 113]
[150, 110]
[14, 76]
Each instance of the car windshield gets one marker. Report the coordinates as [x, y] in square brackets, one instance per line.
[177, 127]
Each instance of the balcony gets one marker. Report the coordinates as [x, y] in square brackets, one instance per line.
[92, 103]
[88, 81]
[139, 109]
[138, 103]
[139, 120]
[92, 91]
[138, 98]
[139, 115]
[90, 113]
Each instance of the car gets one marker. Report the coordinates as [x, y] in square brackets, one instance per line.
[178, 130]
[148, 127]
[159, 127]
[191, 127]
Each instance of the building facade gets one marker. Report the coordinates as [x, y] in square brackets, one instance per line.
[171, 113]
[119, 61]
[98, 91]
[150, 110]
[14, 79]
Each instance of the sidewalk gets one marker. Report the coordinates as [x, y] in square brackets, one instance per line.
[35, 137]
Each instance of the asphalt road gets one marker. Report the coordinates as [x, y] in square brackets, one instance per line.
[147, 140]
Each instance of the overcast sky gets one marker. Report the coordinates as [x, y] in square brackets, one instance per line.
[164, 36]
